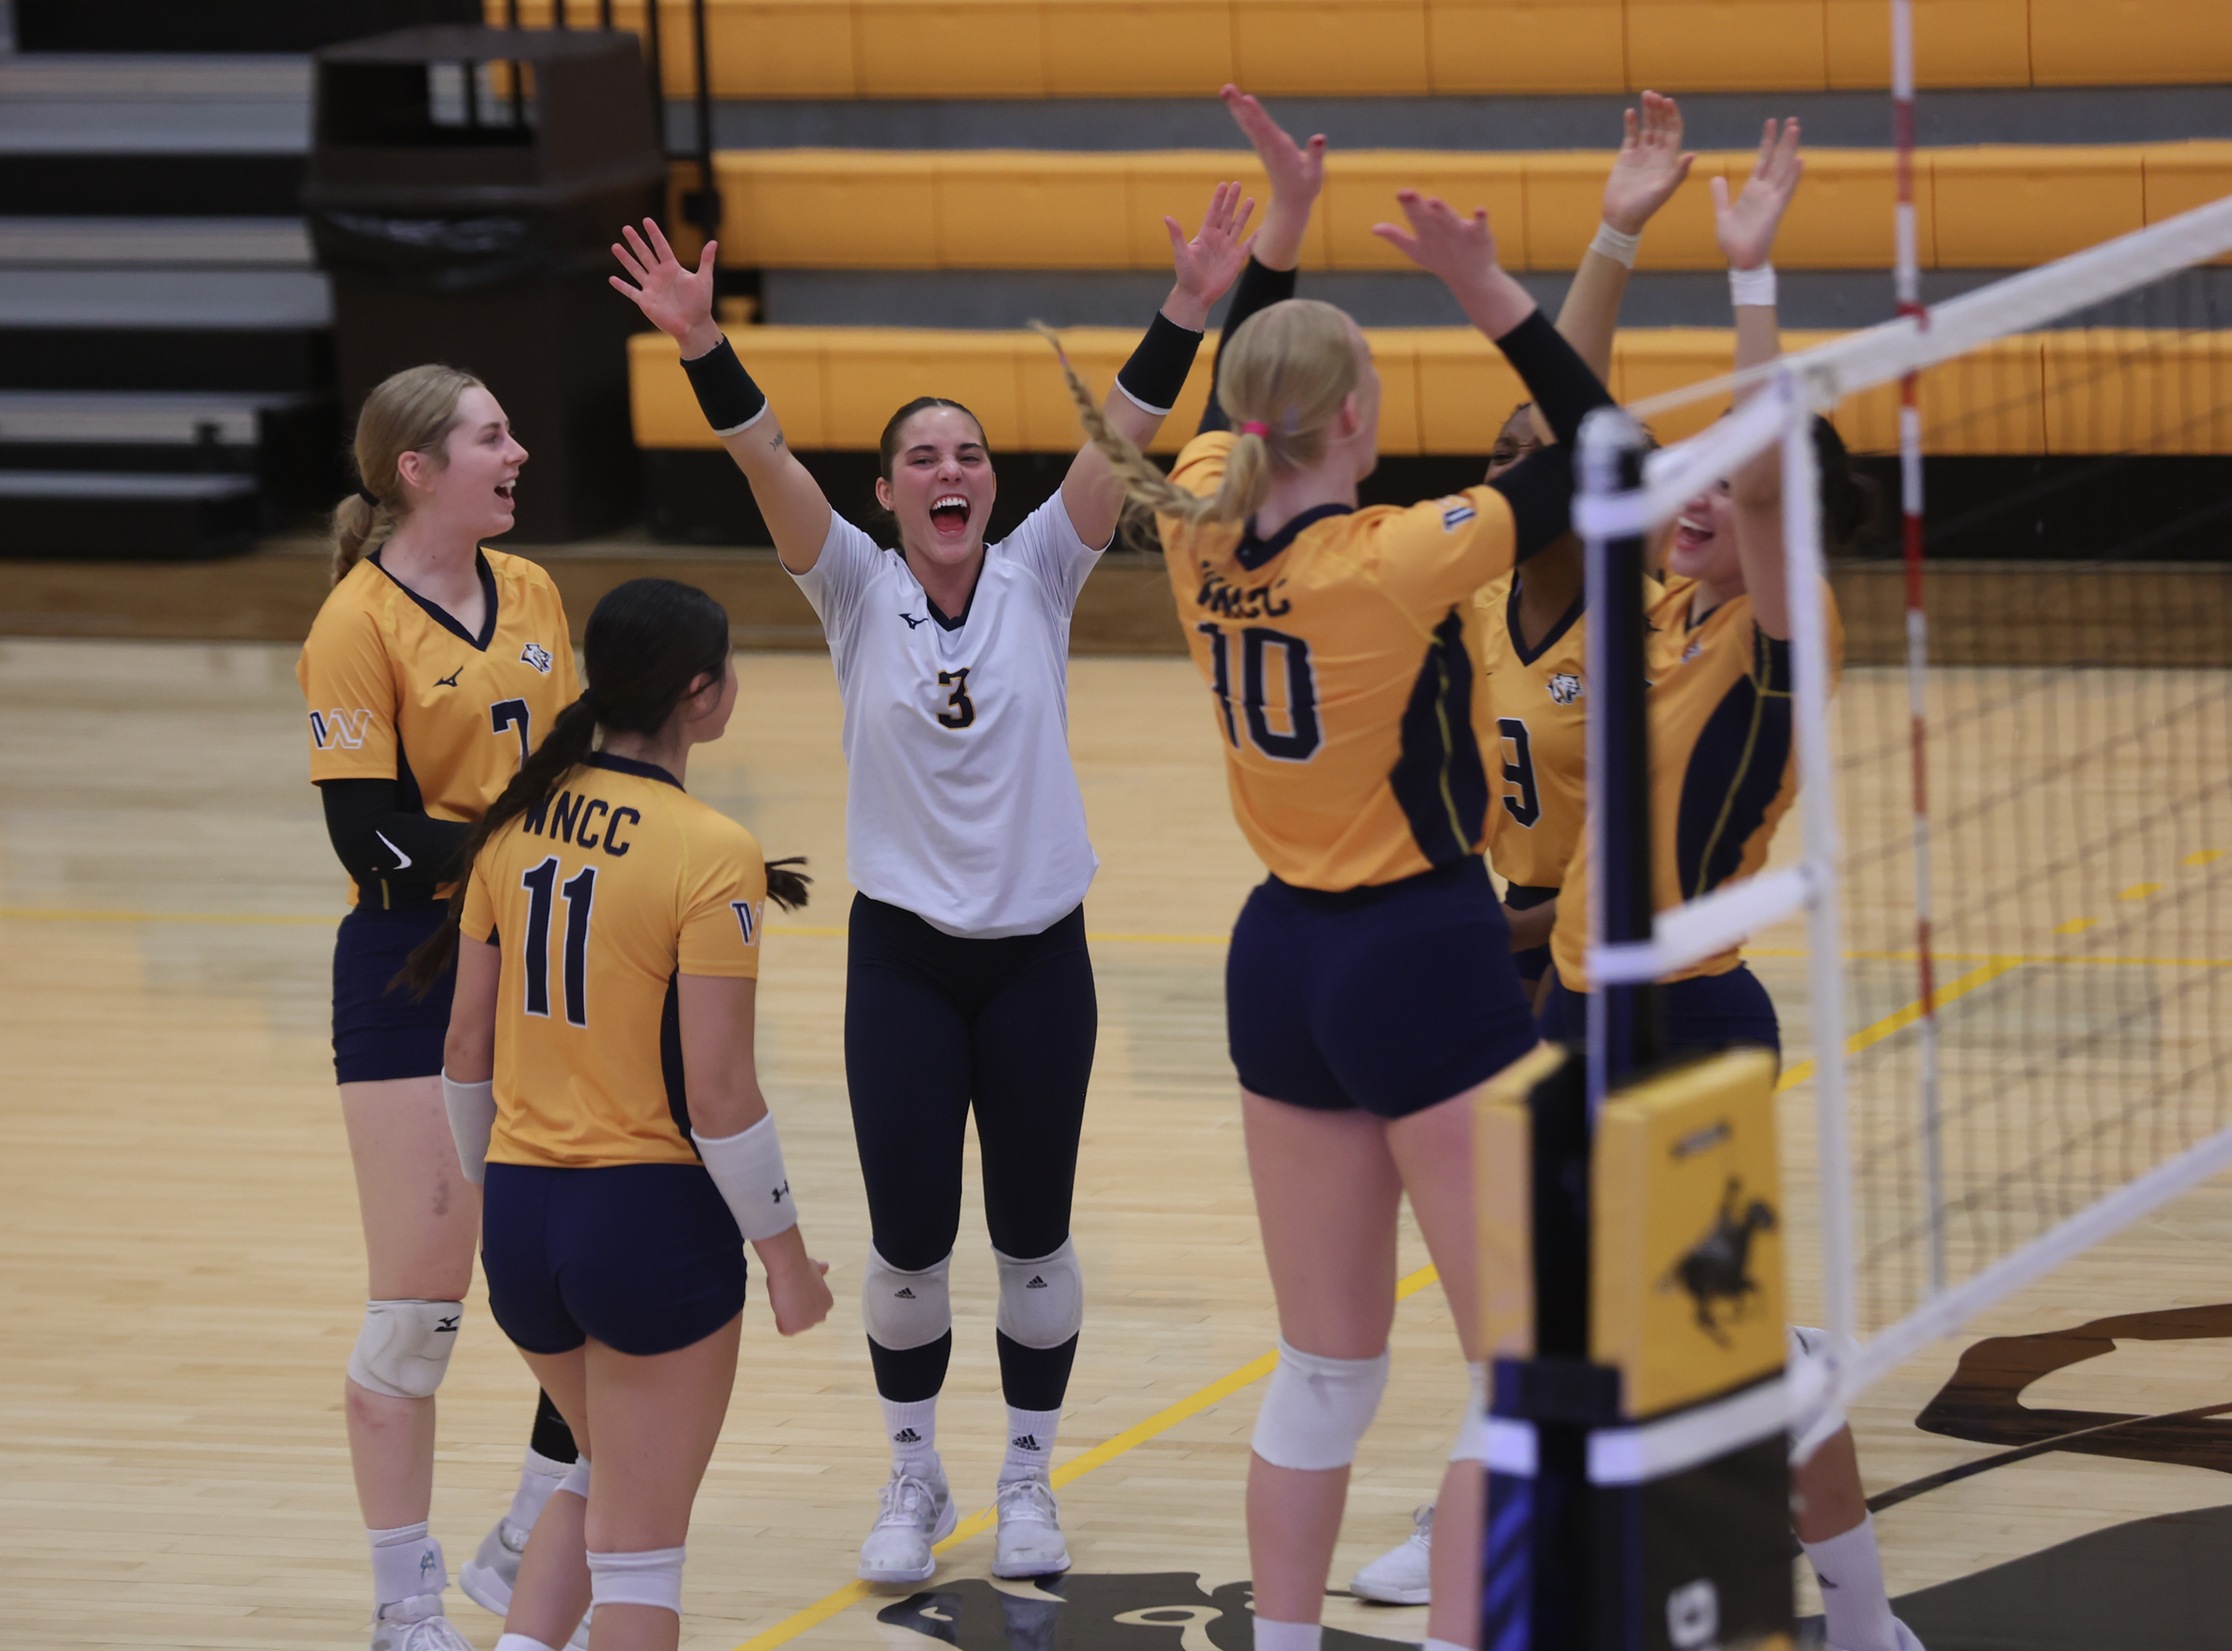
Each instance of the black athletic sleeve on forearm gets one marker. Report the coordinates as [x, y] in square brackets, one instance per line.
[1258, 289]
[378, 839]
[1565, 391]
[1539, 489]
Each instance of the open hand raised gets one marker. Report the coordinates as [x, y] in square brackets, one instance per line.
[1207, 265]
[1296, 170]
[678, 301]
[1440, 241]
[1649, 167]
[1745, 227]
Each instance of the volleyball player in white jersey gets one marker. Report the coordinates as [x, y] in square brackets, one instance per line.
[968, 980]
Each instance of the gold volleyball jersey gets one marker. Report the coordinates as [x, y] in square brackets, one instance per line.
[398, 690]
[1339, 657]
[1723, 764]
[1532, 712]
[620, 882]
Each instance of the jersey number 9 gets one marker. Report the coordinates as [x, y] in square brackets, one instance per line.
[1299, 741]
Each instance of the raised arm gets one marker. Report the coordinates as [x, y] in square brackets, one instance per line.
[1648, 169]
[1149, 383]
[1746, 229]
[1297, 174]
[679, 302]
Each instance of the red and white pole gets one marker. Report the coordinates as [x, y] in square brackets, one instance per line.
[1908, 278]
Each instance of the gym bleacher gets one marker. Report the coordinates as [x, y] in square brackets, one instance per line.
[903, 184]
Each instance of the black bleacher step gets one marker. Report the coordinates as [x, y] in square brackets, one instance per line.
[286, 443]
[130, 185]
[54, 515]
[162, 329]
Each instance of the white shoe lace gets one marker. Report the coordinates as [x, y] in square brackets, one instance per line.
[1027, 1500]
[910, 1501]
[1422, 1525]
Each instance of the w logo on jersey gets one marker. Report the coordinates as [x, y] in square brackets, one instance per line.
[1565, 687]
[537, 655]
[338, 729]
[747, 919]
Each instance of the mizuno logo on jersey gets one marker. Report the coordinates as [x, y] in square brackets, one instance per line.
[1565, 687]
[338, 729]
[449, 681]
[1456, 513]
[747, 919]
[913, 621]
[537, 655]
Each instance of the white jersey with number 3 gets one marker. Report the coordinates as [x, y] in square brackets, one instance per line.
[963, 807]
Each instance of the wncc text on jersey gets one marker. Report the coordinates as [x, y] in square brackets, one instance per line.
[582, 820]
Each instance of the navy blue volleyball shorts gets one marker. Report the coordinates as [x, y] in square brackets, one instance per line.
[1534, 962]
[1700, 1013]
[644, 1257]
[1389, 998]
[379, 1031]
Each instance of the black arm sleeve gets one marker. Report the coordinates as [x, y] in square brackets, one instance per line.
[380, 840]
[1539, 489]
[1258, 289]
[1564, 389]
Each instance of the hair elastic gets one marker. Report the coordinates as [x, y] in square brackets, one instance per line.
[1255, 427]
[369, 497]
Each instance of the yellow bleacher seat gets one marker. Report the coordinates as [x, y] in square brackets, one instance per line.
[1004, 209]
[950, 48]
[830, 208]
[786, 362]
[1137, 48]
[1465, 390]
[2001, 207]
[1956, 43]
[1395, 357]
[2121, 391]
[868, 373]
[1355, 48]
[1360, 192]
[1653, 362]
[1843, 214]
[1727, 45]
[1177, 183]
[1050, 422]
[2129, 42]
[1990, 402]
[1565, 203]
[2182, 176]
[1519, 46]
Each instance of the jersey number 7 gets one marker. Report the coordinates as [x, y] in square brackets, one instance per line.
[1300, 739]
[541, 883]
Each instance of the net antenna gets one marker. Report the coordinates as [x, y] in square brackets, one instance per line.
[2032, 1187]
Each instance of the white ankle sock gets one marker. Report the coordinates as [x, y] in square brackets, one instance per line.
[520, 1642]
[913, 1432]
[1287, 1636]
[1030, 1448]
[1430, 1645]
[539, 1478]
[406, 1563]
[1853, 1598]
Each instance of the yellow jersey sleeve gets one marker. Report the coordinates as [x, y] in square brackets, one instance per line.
[348, 681]
[478, 922]
[724, 899]
[1201, 462]
[1439, 552]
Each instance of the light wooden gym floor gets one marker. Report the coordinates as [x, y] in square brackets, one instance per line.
[180, 1262]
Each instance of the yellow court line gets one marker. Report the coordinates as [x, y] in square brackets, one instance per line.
[1900, 1019]
[798, 1622]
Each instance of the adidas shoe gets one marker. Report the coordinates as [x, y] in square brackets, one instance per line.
[917, 1514]
[416, 1625]
[1030, 1540]
[490, 1575]
[1401, 1576]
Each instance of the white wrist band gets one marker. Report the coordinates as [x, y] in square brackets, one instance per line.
[748, 1169]
[1752, 288]
[1616, 245]
[472, 1119]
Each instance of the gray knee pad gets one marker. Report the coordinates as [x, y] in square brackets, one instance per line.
[903, 1310]
[1317, 1409]
[404, 1348]
[1042, 1302]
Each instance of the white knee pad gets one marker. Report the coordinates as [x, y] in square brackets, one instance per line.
[652, 1577]
[1472, 1435]
[1317, 1408]
[576, 1482]
[1042, 1302]
[404, 1348]
[903, 1310]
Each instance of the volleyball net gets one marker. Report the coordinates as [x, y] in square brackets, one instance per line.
[1999, 938]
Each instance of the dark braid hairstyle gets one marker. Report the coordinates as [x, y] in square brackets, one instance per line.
[650, 643]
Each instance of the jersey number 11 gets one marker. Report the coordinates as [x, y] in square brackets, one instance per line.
[541, 883]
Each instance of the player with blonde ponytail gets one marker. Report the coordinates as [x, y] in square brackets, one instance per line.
[1370, 988]
[432, 670]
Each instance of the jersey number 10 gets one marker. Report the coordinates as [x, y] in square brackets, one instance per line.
[542, 885]
[1300, 740]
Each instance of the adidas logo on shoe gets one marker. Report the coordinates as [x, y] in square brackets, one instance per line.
[905, 1294]
[906, 1436]
[1037, 1283]
[1026, 1441]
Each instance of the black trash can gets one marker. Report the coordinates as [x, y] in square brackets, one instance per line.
[464, 186]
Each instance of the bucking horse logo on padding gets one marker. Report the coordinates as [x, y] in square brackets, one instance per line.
[1716, 1270]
